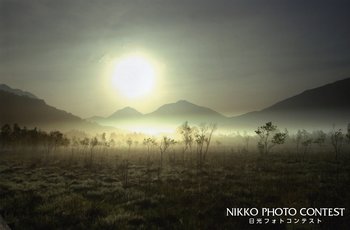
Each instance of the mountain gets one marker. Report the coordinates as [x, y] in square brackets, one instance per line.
[123, 119]
[333, 96]
[183, 108]
[18, 92]
[20, 107]
[319, 108]
[169, 115]
[126, 112]
[118, 118]
[174, 114]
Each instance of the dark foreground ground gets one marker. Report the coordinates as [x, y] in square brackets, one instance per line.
[122, 191]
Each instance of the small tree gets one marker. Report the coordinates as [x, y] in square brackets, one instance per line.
[129, 143]
[203, 139]
[269, 137]
[320, 137]
[186, 133]
[163, 146]
[53, 140]
[337, 141]
[149, 142]
[93, 144]
[211, 128]
[303, 137]
[348, 133]
[85, 143]
[103, 141]
[5, 135]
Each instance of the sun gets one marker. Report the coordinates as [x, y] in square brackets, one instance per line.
[134, 76]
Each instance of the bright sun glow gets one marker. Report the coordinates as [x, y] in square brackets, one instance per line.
[134, 76]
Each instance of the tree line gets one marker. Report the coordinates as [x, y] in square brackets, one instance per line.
[193, 139]
[16, 136]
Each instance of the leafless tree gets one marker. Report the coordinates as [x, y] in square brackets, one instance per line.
[186, 132]
[203, 139]
[304, 138]
[93, 143]
[149, 143]
[165, 143]
[337, 141]
[319, 137]
[129, 143]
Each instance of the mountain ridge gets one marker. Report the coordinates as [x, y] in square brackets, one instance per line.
[6, 88]
[34, 112]
[176, 112]
[183, 107]
[125, 112]
[332, 95]
[324, 105]
[321, 107]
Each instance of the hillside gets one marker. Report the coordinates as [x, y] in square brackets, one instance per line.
[316, 108]
[334, 96]
[18, 92]
[31, 112]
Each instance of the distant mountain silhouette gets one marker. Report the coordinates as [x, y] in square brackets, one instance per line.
[185, 109]
[168, 114]
[174, 114]
[333, 96]
[18, 92]
[320, 107]
[126, 112]
[317, 108]
[120, 116]
[24, 109]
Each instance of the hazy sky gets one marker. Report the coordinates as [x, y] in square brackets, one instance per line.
[232, 56]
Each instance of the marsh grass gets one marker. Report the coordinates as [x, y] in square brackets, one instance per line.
[61, 191]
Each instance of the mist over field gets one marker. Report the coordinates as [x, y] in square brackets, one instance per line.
[163, 169]
[187, 114]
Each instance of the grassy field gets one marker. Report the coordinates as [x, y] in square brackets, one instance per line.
[126, 190]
